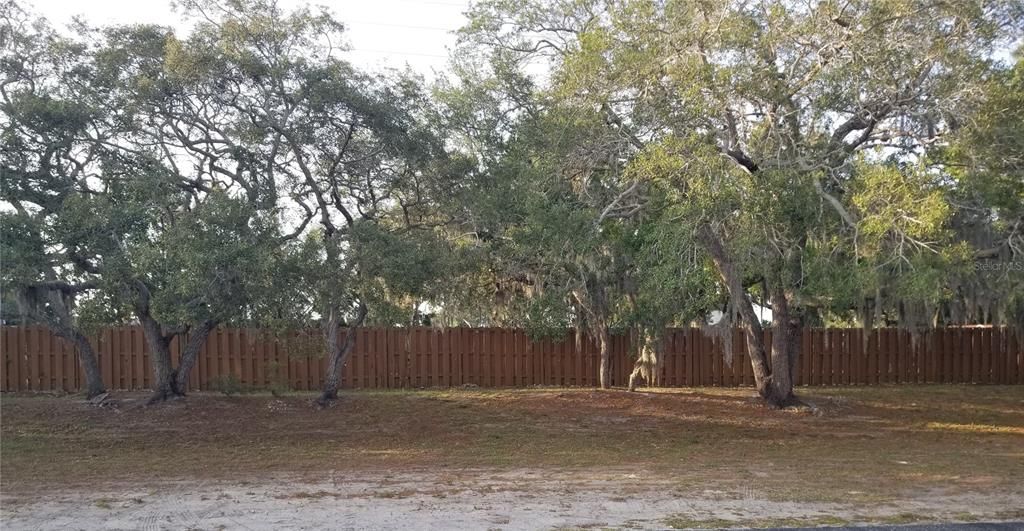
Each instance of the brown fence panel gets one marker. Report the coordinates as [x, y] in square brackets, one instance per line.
[34, 359]
[835, 345]
[929, 346]
[31, 366]
[857, 351]
[1010, 356]
[493, 356]
[965, 353]
[999, 356]
[9, 381]
[891, 353]
[555, 361]
[995, 361]
[976, 357]
[962, 356]
[679, 341]
[1017, 355]
[57, 363]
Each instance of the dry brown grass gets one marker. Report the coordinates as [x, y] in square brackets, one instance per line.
[865, 444]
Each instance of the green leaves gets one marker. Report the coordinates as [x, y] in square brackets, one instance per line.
[799, 133]
[986, 156]
[898, 206]
[23, 249]
[245, 172]
[208, 264]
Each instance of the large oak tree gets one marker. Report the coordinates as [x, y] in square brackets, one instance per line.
[766, 120]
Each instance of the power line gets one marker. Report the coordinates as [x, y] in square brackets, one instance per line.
[394, 52]
[390, 25]
[430, 2]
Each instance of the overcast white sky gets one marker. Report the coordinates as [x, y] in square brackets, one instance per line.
[380, 32]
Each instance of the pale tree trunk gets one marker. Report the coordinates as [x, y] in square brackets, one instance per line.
[647, 366]
[196, 339]
[338, 352]
[595, 307]
[605, 344]
[752, 331]
[635, 376]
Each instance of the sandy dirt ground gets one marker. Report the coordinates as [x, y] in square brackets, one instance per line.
[514, 459]
[467, 499]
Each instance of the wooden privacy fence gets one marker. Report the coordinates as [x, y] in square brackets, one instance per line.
[34, 359]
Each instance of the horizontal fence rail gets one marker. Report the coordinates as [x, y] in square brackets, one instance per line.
[34, 359]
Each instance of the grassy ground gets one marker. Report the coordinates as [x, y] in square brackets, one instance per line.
[862, 445]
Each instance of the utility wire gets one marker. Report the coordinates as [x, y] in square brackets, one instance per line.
[429, 2]
[391, 25]
[394, 52]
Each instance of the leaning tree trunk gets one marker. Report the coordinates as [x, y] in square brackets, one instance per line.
[605, 344]
[87, 356]
[61, 324]
[338, 352]
[196, 339]
[90, 366]
[753, 333]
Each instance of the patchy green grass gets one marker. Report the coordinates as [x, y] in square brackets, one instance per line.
[864, 445]
[975, 428]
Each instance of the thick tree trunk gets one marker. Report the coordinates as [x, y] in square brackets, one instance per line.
[196, 339]
[331, 330]
[605, 344]
[783, 358]
[164, 384]
[752, 331]
[164, 376]
[338, 352]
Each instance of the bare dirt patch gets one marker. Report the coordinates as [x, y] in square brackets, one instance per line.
[465, 499]
[693, 455]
